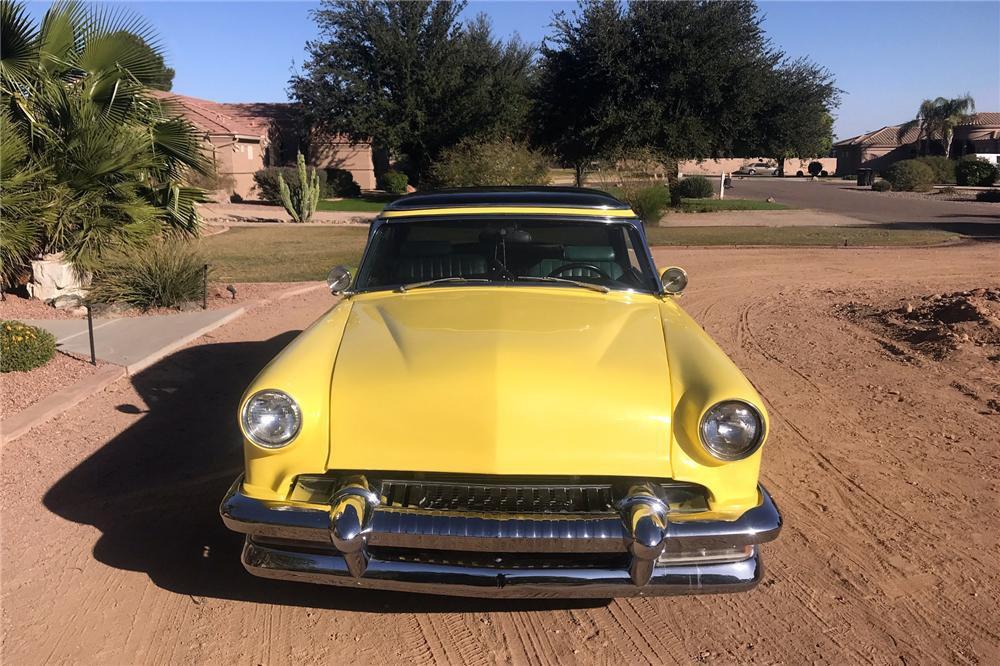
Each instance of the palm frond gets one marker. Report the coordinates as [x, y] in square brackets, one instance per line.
[18, 48]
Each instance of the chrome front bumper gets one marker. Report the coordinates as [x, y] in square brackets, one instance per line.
[639, 551]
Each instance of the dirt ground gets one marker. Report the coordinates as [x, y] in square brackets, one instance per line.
[886, 471]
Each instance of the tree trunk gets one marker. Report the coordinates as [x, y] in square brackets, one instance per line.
[781, 166]
[578, 173]
[946, 140]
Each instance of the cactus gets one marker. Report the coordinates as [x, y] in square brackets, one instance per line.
[300, 204]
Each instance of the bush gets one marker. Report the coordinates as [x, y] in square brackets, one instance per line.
[695, 187]
[477, 162]
[267, 183]
[943, 168]
[24, 347]
[340, 183]
[989, 196]
[909, 176]
[881, 186]
[799, 173]
[976, 172]
[394, 182]
[815, 168]
[164, 274]
[647, 202]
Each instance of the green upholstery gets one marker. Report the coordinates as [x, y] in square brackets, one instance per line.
[431, 260]
[599, 256]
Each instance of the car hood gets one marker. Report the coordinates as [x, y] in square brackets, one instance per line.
[502, 380]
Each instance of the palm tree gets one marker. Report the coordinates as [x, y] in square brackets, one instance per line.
[939, 117]
[75, 89]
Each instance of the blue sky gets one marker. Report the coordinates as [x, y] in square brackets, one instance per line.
[886, 56]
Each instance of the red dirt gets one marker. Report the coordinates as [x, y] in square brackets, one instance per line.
[886, 473]
[21, 390]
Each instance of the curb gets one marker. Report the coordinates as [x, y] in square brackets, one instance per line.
[144, 363]
[18, 424]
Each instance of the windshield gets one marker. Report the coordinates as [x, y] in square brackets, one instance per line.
[528, 251]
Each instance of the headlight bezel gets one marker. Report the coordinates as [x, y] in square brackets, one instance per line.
[248, 432]
[726, 456]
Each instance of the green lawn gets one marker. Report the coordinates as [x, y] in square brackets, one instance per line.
[713, 205]
[795, 236]
[282, 252]
[364, 204]
[289, 253]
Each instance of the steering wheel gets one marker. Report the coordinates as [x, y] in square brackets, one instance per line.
[565, 267]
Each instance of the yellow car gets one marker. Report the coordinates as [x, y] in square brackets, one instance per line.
[506, 401]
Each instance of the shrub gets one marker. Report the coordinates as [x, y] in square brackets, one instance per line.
[943, 168]
[824, 173]
[394, 182]
[24, 347]
[695, 187]
[976, 171]
[166, 273]
[815, 168]
[909, 176]
[989, 196]
[647, 202]
[267, 182]
[882, 186]
[477, 162]
[340, 183]
[799, 173]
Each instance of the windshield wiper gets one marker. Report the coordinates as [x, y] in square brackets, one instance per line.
[586, 285]
[428, 283]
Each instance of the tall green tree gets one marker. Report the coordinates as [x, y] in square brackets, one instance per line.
[411, 77]
[74, 90]
[795, 119]
[686, 79]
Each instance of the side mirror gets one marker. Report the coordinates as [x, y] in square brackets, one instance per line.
[338, 279]
[674, 280]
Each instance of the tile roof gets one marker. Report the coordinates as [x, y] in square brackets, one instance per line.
[251, 119]
[890, 135]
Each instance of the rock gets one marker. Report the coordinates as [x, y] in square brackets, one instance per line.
[770, 200]
[52, 277]
[909, 308]
[79, 311]
[190, 306]
[66, 301]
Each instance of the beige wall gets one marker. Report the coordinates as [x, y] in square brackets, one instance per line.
[238, 159]
[356, 158]
[730, 165]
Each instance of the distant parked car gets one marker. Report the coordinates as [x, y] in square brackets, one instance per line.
[757, 167]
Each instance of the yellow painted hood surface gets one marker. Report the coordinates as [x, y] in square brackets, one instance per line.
[502, 380]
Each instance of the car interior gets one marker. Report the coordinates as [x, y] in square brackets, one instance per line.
[598, 253]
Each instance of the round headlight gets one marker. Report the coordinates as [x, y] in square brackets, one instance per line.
[732, 430]
[271, 419]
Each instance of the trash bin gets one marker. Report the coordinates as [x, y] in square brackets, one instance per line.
[866, 177]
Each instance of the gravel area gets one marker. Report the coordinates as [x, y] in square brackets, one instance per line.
[20, 308]
[20, 390]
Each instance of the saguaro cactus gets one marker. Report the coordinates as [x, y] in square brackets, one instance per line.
[301, 203]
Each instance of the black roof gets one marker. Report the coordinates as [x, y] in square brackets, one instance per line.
[568, 197]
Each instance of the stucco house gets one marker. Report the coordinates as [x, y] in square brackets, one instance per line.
[244, 138]
[980, 136]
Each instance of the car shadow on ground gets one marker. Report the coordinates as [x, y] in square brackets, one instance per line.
[978, 231]
[154, 492]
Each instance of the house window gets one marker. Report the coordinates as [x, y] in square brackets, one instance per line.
[250, 152]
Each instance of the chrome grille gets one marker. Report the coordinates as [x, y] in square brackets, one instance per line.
[496, 497]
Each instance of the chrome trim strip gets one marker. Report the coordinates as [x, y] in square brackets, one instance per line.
[441, 530]
[500, 582]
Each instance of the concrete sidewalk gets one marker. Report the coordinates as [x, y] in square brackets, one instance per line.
[135, 342]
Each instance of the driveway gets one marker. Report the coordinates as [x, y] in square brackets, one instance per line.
[885, 469]
[842, 197]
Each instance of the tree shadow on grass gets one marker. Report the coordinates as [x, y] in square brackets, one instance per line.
[154, 492]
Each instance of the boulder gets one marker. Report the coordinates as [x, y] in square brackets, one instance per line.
[52, 277]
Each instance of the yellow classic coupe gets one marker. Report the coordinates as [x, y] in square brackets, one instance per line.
[506, 401]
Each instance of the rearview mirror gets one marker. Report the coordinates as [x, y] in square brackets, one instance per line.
[674, 280]
[338, 279]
